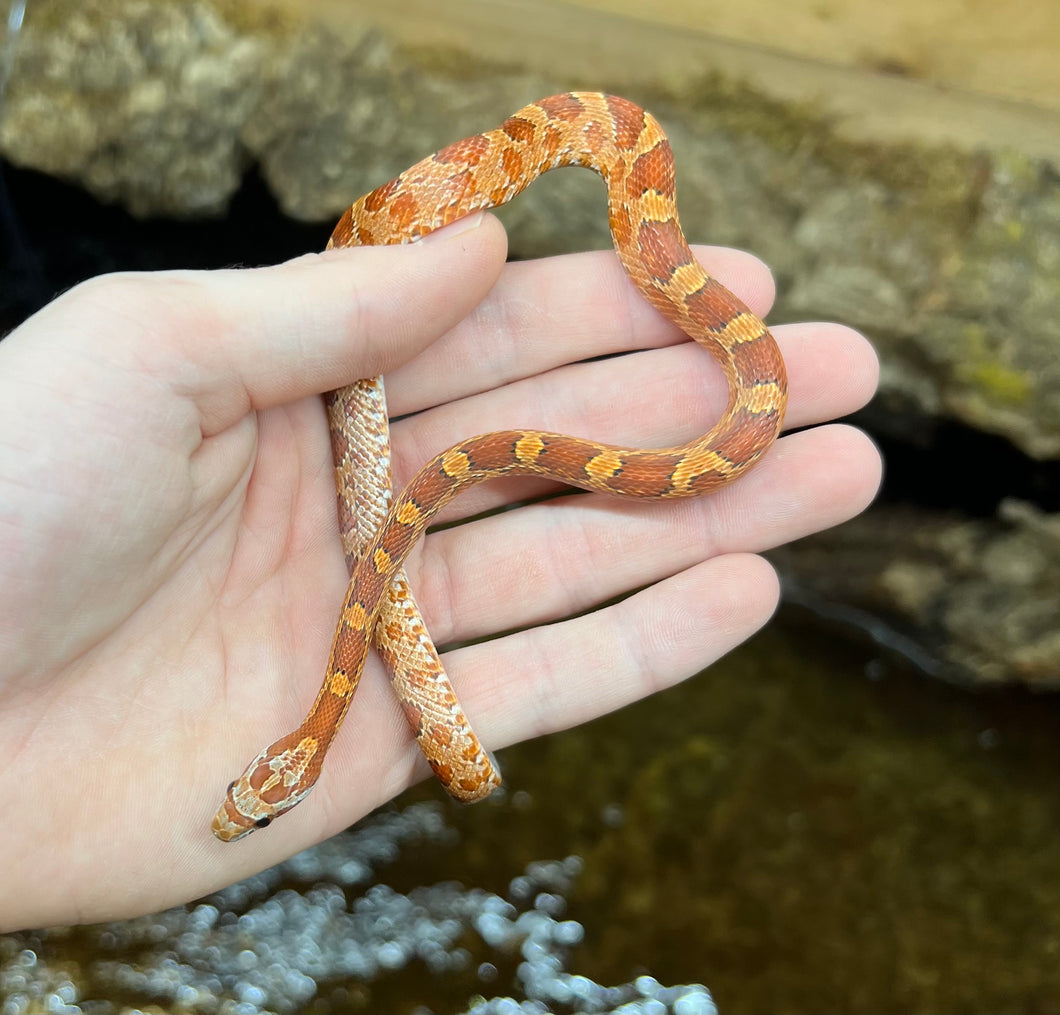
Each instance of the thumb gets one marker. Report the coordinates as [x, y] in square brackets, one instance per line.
[259, 337]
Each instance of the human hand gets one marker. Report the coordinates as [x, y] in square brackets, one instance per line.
[170, 568]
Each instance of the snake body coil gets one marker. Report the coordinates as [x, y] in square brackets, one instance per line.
[627, 147]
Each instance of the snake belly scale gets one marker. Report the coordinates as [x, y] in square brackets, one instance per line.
[628, 148]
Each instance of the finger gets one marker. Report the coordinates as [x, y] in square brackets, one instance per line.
[545, 313]
[246, 339]
[551, 678]
[665, 396]
[564, 556]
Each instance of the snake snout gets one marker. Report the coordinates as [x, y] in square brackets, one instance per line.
[228, 824]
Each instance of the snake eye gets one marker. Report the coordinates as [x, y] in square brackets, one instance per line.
[263, 822]
[231, 786]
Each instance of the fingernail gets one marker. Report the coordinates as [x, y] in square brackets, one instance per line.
[461, 225]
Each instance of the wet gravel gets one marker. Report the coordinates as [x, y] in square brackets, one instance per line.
[272, 942]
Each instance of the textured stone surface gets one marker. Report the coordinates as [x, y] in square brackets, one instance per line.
[968, 600]
[141, 103]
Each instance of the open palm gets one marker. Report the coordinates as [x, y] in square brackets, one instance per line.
[170, 568]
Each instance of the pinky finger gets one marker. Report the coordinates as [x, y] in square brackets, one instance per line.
[551, 678]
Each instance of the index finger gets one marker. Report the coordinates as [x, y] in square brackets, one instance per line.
[553, 311]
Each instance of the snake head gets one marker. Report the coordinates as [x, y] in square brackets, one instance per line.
[278, 778]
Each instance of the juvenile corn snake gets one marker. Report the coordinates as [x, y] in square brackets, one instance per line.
[628, 148]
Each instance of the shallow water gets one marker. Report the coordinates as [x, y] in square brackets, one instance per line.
[806, 825]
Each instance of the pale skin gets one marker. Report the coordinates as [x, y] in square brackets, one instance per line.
[170, 566]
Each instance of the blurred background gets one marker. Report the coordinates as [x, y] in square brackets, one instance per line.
[860, 809]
